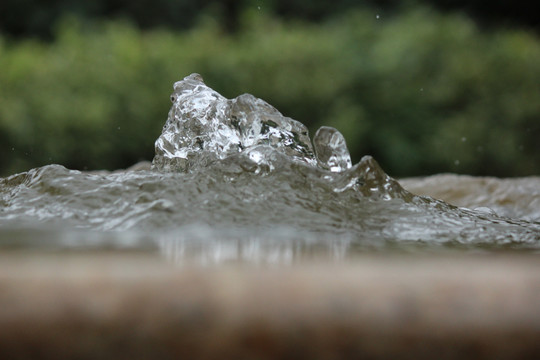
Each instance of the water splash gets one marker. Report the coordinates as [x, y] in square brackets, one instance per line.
[234, 179]
[203, 127]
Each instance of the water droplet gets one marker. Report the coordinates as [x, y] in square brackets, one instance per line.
[377, 16]
[258, 7]
[331, 149]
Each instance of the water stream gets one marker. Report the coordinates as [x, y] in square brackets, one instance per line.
[234, 179]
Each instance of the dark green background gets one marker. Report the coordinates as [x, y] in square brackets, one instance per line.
[424, 87]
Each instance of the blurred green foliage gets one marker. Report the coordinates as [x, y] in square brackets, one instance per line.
[420, 91]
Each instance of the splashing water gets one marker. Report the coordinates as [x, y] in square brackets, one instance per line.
[233, 179]
[204, 127]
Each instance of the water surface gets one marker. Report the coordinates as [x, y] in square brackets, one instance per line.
[234, 179]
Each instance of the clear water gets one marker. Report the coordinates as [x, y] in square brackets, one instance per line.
[233, 179]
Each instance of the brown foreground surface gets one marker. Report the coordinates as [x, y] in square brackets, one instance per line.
[137, 306]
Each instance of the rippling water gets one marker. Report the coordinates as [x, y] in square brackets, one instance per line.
[233, 179]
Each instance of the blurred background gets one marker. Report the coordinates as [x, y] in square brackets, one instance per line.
[423, 86]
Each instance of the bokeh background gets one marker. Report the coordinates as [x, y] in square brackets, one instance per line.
[423, 86]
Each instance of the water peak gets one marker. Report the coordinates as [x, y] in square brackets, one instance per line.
[204, 127]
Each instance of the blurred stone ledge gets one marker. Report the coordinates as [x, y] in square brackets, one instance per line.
[137, 306]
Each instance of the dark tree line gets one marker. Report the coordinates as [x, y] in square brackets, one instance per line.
[36, 18]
